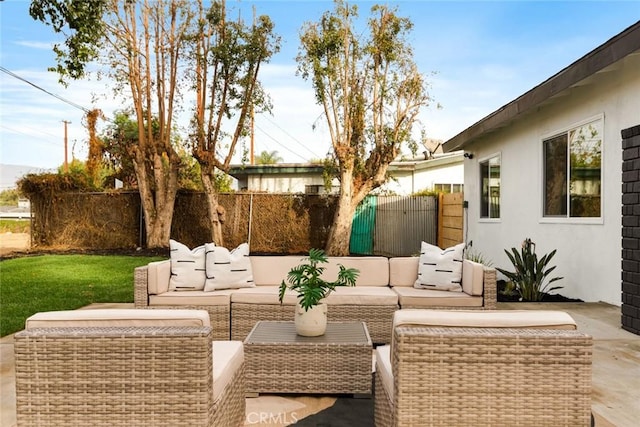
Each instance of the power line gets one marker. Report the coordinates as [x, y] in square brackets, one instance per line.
[289, 135]
[30, 135]
[73, 104]
[280, 144]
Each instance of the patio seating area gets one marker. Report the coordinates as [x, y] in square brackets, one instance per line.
[615, 371]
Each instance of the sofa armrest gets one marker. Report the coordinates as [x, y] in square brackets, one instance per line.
[115, 375]
[490, 289]
[140, 289]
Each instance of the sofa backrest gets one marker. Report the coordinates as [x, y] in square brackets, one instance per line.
[517, 319]
[118, 318]
[403, 271]
[271, 270]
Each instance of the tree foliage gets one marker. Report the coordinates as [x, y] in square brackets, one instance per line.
[371, 93]
[80, 21]
[268, 158]
[228, 55]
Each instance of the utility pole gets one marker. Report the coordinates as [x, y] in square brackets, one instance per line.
[251, 156]
[66, 163]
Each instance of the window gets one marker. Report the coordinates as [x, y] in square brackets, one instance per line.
[573, 172]
[490, 192]
[448, 188]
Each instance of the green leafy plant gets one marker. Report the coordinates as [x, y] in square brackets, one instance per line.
[306, 280]
[530, 277]
[477, 256]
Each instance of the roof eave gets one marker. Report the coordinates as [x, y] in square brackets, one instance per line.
[603, 56]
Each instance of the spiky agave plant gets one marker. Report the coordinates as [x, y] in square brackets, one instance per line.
[306, 280]
[530, 277]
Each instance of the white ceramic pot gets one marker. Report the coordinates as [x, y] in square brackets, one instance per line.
[313, 322]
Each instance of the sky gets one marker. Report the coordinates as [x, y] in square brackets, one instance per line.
[476, 55]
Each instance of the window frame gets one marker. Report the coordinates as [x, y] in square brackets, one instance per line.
[569, 219]
[482, 160]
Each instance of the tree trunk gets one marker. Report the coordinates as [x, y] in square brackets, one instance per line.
[351, 195]
[157, 200]
[340, 231]
[216, 211]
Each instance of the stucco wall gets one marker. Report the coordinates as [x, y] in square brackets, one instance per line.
[284, 183]
[588, 254]
[405, 183]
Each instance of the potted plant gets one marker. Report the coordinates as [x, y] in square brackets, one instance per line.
[530, 277]
[306, 279]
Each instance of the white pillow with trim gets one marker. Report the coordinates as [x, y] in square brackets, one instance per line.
[187, 267]
[440, 269]
[227, 270]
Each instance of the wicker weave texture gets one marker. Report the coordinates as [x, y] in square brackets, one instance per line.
[378, 318]
[245, 316]
[140, 287]
[219, 316]
[160, 376]
[382, 406]
[309, 367]
[489, 377]
[489, 289]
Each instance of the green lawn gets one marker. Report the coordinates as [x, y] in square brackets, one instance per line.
[62, 282]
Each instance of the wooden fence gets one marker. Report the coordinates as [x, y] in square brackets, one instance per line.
[272, 223]
[450, 219]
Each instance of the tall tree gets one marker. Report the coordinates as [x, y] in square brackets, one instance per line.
[140, 45]
[228, 56]
[371, 92]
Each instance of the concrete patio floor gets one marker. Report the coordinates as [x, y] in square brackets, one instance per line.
[616, 373]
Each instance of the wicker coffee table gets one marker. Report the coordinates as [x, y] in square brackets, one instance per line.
[280, 361]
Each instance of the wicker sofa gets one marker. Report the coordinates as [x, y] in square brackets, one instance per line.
[483, 368]
[383, 286]
[127, 368]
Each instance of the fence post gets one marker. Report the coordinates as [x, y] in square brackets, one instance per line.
[440, 218]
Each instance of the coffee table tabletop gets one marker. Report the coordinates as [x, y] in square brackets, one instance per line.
[280, 361]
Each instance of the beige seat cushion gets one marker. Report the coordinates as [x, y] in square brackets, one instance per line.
[472, 277]
[158, 276]
[117, 317]
[228, 357]
[373, 271]
[525, 319]
[383, 368]
[262, 295]
[362, 295]
[271, 270]
[220, 297]
[403, 271]
[537, 319]
[412, 297]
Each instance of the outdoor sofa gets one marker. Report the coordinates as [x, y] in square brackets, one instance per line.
[484, 368]
[127, 367]
[384, 285]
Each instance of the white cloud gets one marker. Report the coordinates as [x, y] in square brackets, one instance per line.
[35, 45]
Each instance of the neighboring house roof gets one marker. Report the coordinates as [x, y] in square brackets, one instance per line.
[278, 168]
[237, 171]
[624, 44]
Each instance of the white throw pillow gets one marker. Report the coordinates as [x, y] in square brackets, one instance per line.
[187, 267]
[228, 270]
[440, 269]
